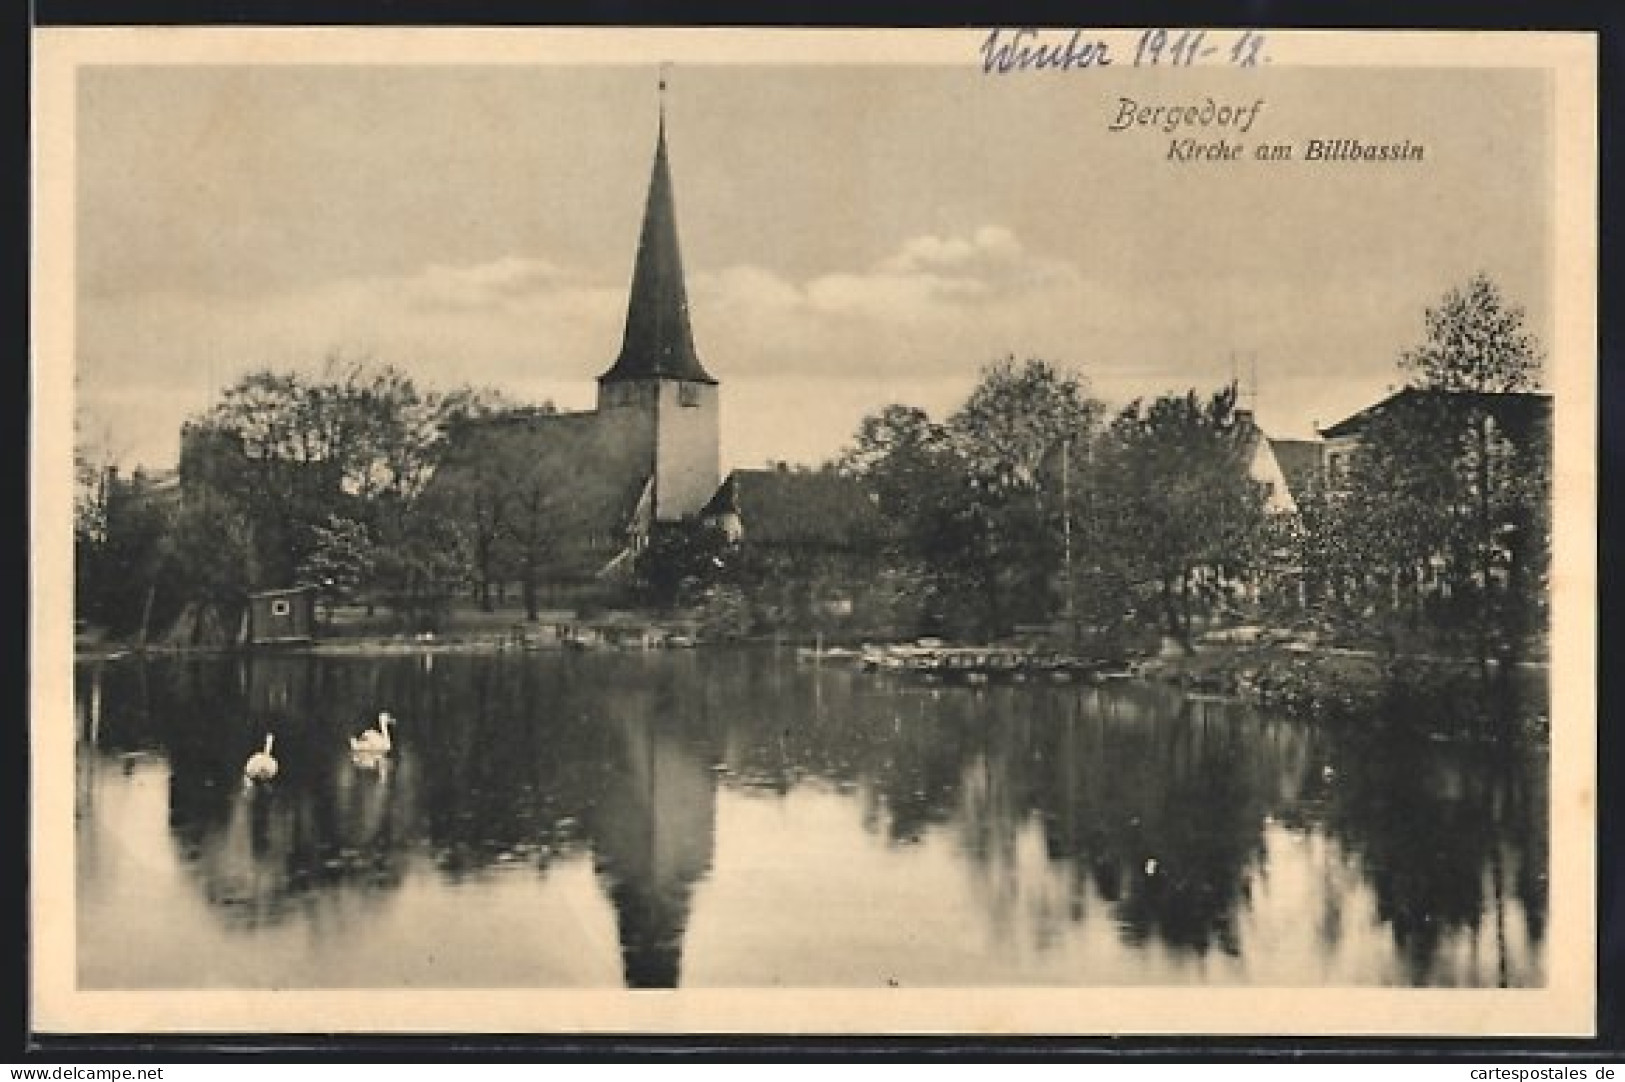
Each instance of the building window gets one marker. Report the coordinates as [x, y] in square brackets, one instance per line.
[688, 394]
[280, 607]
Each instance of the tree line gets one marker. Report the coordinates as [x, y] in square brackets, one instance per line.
[288, 478]
[1032, 502]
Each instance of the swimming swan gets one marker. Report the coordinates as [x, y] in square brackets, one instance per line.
[375, 741]
[261, 766]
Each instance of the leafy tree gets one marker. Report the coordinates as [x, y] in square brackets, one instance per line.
[209, 543]
[900, 454]
[329, 475]
[977, 513]
[681, 560]
[1475, 347]
[1016, 418]
[100, 583]
[1172, 504]
[340, 560]
[481, 486]
[1017, 424]
[92, 483]
[93, 471]
[530, 537]
[1474, 341]
[1442, 527]
[126, 564]
[260, 448]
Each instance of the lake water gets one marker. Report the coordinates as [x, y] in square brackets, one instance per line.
[723, 817]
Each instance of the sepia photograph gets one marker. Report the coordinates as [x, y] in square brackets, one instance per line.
[989, 531]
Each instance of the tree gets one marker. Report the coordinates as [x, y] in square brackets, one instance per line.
[977, 517]
[898, 453]
[124, 561]
[1173, 506]
[534, 493]
[92, 483]
[397, 440]
[1476, 347]
[483, 497]
[209, 543]
[93, 471]
[1379, 537]
[1474, 341]
[1444, 520]
[270, 445]
[119, 530]
[340, 559]
[478, 485]
[681, 560]
[1017, 424]
[1017, 417]
[329, 473]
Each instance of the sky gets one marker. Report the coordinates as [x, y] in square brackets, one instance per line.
[853, 236]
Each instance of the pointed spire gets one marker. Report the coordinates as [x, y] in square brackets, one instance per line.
[662, 138]
[659, 343]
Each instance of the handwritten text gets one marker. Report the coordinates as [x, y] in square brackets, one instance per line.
[1026, 50]
[1006, 51]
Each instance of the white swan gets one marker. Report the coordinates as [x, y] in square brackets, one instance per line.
[375, 741]
[261, 766]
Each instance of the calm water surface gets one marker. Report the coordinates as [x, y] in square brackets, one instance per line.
[732, 818]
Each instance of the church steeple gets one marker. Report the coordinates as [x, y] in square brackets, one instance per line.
[659, 343]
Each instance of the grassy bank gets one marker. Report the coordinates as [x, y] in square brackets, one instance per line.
[1441, 697]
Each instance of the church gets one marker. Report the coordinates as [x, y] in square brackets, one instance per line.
[582, 492]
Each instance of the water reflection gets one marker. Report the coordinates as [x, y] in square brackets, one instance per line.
[1443, 840]
[653, 831]
[734, 818]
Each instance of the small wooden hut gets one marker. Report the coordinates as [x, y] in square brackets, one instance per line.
[282, 617]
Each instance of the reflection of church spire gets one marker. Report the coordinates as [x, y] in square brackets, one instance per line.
[656, 831]
[651, 925]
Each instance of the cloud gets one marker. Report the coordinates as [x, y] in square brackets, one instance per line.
[934, 304]
[910, 326]
[927, 277]
[524, 325]
[992, 263]
[502, 284]
[490, 320]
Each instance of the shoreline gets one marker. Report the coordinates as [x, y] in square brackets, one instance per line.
[1323, 684]
[363, 646]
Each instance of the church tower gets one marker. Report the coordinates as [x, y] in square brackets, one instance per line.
[657, 386]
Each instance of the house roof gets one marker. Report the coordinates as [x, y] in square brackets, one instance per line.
[796, 507]
[1300, 462]
[659, 343]
[1516, 411]
[286, 591]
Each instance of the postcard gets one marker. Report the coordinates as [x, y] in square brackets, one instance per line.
[996, 531]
